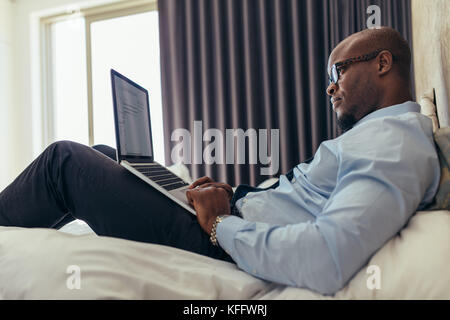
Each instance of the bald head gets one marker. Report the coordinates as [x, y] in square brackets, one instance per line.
[370, 40]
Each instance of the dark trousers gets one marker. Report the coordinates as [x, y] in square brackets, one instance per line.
[71, 180]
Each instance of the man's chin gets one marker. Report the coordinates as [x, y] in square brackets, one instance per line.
[345, 121]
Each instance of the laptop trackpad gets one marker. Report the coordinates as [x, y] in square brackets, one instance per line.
[180, 194]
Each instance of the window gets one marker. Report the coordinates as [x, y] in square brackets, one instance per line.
[69, 116]
[82, 46]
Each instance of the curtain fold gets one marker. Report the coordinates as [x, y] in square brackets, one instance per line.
[261, 64]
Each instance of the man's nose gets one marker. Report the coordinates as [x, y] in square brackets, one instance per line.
[332, 88]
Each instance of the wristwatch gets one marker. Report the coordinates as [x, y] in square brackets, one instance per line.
[218, 220]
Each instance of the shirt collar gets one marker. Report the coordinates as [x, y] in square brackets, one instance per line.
[395, 110]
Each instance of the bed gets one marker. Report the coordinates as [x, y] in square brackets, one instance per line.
[75, 263]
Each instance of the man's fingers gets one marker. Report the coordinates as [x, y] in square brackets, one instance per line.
[189, 197]
[207, 185]
[227, 188]
[221, 185]
[198, 194]
[217, 185]
[206, 182]
[200, 181]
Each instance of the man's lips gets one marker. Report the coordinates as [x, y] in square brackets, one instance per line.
[335, 101]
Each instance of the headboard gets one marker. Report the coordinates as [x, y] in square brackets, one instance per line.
[428, 108]
[442, 141]
[431, 46]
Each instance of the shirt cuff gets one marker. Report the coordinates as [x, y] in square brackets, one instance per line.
[226, 230]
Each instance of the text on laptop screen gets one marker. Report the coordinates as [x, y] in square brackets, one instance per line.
[133, 119]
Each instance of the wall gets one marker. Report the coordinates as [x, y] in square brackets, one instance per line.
[16, 92]
[6, 96]
[431, 45]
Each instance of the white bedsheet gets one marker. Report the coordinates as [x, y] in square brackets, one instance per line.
[34, 262]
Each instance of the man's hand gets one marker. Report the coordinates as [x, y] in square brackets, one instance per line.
[209, 203]
[206, 182]
[200, 181]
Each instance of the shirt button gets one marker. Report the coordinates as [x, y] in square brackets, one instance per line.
[293, 180]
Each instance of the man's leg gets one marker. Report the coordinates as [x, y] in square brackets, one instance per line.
[107, 151]
[71, 177]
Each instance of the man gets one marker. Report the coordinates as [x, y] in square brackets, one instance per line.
[315, 228]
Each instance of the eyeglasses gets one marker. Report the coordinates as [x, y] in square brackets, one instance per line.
[337, 67]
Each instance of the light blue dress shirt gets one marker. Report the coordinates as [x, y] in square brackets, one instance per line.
[319, 229]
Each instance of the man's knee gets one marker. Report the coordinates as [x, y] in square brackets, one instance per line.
[64, 152]
[65, 146]
[66, 149]
[106, 150]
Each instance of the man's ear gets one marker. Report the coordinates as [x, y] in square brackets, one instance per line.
[384, 62]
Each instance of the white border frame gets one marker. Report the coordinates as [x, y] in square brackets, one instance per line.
[41, 67]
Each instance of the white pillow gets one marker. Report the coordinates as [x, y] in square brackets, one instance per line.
[182, 171]
[414, 264]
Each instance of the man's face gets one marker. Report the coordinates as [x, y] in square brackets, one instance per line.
[353, 95]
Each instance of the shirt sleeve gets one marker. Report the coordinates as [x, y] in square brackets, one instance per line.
[374, 197]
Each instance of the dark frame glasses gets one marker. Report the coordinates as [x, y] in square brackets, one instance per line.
[336, 68]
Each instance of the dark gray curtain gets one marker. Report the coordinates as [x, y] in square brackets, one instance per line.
[257, 64]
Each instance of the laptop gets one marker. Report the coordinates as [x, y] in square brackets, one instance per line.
[134, 140]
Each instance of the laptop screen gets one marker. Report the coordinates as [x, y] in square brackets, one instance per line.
[131, 110]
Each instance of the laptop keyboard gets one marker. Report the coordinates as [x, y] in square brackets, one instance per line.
[161, 175]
